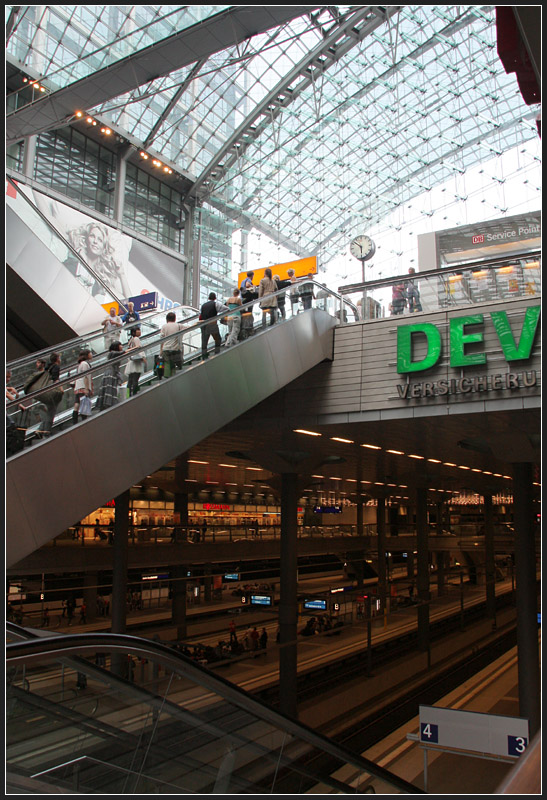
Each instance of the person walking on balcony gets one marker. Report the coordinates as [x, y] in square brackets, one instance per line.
[413, 293]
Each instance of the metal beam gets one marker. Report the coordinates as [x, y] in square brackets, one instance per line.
[200, 41]
[350, 31]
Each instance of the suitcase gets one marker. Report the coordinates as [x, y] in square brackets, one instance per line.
[246, 329]
[158, 366]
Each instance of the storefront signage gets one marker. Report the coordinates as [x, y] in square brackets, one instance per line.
[215, 507]
[460, 338]
[327, 510]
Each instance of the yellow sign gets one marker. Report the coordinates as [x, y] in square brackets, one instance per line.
[112, 304]
[302, 267]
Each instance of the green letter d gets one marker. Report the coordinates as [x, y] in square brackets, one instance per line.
[404, 347]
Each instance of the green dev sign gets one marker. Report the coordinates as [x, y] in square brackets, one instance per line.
[460, 338]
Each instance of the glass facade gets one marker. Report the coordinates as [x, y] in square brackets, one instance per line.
[78, 167]
[152, 208]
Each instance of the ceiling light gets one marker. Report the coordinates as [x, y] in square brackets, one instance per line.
[318, 476]
[461, 466]
[372, 446]
[448, 464]
[190, 480]
[411, 455]
[338, 439]
[397, 452]
[211, 481]
[435, 460]
[255, 469]
[79, 114]
[193, 461]
[308, 433]
[335, 479]
[233, 466]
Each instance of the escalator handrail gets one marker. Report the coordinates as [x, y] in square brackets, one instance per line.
[185, 330]
[50, 648]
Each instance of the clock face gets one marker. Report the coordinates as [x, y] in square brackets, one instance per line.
[362, 247]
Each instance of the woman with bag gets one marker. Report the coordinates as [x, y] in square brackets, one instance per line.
[83, 388]
[112, 379]
[136, 364]
[268, 303]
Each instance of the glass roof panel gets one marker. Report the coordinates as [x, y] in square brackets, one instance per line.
[66, 43]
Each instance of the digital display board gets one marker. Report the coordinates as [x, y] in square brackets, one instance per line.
[316, 605]
[231, 576]
[261, 600]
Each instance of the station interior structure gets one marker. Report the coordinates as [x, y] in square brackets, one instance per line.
[156, 154]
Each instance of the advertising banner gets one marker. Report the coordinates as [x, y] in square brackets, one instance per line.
[128, 267]
[302, 267]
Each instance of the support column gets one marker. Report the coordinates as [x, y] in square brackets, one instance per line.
[490, 564]
[181, 498]
[382, 566]
[360, 526]
[288, 601]
[410, 564]
[525, 572]
[29, 156]
[90, 594]
[119, 575]
[119, 183]
[208, 583]
[441, 572]
[422, 538]
[178, 607]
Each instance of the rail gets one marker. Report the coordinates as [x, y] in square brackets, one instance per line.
[43, 413]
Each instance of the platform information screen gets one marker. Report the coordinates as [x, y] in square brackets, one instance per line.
[231, 576]
[316, 605]
[261, 600]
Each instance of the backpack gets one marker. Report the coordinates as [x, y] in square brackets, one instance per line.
[37, 381]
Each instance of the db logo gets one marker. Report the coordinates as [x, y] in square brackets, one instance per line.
[478, 239]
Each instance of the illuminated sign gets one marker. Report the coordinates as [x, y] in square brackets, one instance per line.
[261, 600]
[316, 605]
[215, 507]
[327, 510]
[302, 267]
[148, 301]
[231, 576]
[158, 577]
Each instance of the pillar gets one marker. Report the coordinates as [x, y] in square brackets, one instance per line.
[29, 156]
[410, 564]
[526, 583]
[288, 600]
[382, 566]
[181, 498]
[489, 560]
[208, 583]
[178, 607]
[360, 527]
[90, 594]
[119, 183]
[119, 575]
[441, 572]
[422, 560]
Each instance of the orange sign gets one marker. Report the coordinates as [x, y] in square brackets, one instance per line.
[302, 267]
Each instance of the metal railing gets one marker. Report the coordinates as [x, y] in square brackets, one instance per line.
[41, 416]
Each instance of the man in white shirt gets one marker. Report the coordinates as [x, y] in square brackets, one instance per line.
[171, 350]
[111, 327]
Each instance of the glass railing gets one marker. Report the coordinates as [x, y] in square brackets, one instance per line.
[115, 714]
[489, 281]
[111, 379]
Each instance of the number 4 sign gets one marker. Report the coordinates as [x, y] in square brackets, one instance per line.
[429, 732]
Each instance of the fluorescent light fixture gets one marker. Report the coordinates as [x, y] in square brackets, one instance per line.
[448, 464]
[338, 439]
[371, 446]
[397, 452]
[255, 469]
[411, 455]
[308, 433]
[233, 466]
[435, 460]
[191, 461]
[318, 476]
[462, 466]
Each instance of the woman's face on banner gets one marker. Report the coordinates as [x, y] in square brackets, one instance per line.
[95, 241]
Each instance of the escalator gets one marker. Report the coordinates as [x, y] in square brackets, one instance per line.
[55, 483]
[115, 714]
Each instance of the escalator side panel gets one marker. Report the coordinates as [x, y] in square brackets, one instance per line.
[54, 484]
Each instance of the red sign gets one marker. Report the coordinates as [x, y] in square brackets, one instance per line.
[478, 239]
[215, 507]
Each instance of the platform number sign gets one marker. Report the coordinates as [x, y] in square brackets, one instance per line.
[429, 732]
[516, 745]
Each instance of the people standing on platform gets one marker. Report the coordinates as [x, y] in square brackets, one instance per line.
[233, 634]
[136, 364]
[81, 682]
[413, 293]
[234, 319]
[263, 639]
[209, 311]
[112, 379]
[171, 351]
[45, 618]
[83, 613]
[268, 302]
[281, 297]
[112, 326]
[398, 298]
[83, 387]
[70, 609]
[305, 289]
[130, 316]
[255, 636]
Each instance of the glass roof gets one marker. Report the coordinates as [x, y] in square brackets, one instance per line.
[422, 96]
